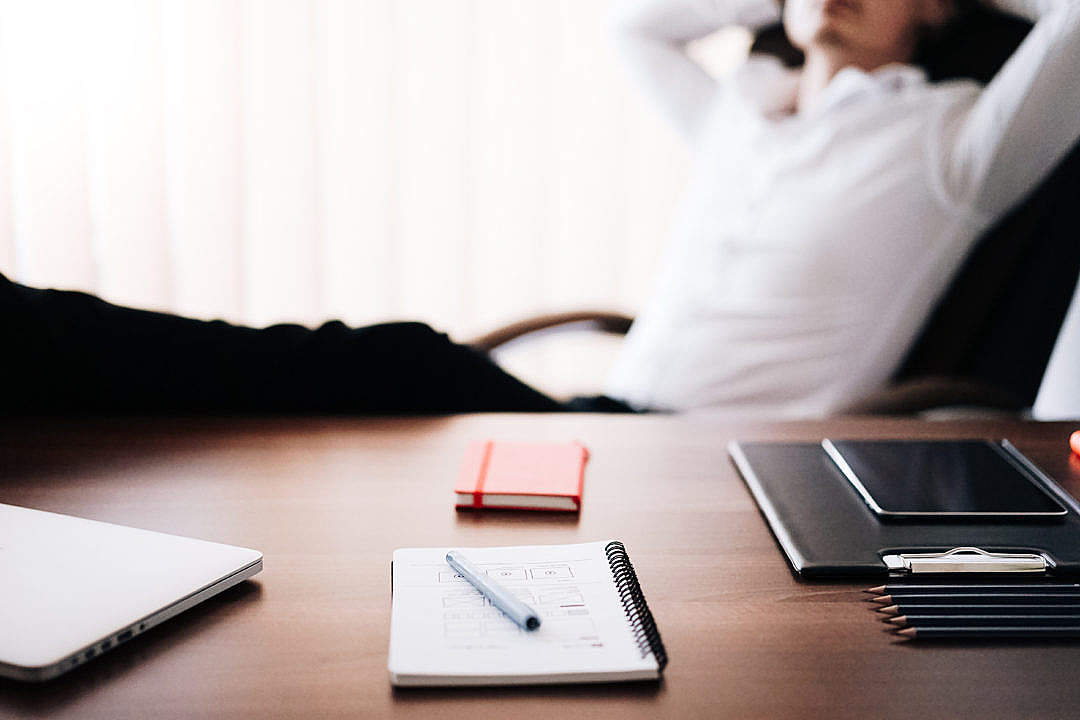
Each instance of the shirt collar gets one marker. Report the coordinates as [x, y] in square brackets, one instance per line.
[851, 84]
[773, 88]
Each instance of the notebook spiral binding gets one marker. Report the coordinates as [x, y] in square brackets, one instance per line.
[637, 610]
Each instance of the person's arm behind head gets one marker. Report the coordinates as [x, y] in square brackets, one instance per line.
[997, 150]
[652, 36]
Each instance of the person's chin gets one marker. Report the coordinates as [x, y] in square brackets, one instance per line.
[829, 37]
[832, 34]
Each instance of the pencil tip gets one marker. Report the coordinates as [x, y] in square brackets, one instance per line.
[883, 599]
[907, 632]
[898, 620]
[890, 610]
[875, 590]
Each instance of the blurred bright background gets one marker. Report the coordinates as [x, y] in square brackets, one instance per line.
[461, 162]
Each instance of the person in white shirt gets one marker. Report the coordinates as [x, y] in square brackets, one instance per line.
[829, 206]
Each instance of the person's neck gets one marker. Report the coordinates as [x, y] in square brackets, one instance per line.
[822, 65]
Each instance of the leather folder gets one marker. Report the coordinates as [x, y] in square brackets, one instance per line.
[826, 530]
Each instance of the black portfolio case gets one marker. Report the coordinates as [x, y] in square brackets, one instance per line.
[827, 530]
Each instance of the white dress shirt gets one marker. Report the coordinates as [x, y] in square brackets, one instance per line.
[812, 246]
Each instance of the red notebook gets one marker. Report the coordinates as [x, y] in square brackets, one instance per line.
[524, 476]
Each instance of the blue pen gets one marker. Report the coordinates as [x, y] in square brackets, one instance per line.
[499, 596]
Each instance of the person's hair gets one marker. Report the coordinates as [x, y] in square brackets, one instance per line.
[930, 41]
[973, 44]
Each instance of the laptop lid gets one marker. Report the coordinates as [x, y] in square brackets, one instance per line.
[75, 588]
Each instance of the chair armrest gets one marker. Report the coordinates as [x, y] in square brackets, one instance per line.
[608, 322]
[929, 393]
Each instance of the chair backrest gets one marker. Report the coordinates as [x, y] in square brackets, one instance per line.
[999, 319]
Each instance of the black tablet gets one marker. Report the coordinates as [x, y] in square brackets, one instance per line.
[944, 479]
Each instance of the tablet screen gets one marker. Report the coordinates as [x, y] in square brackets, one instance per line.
[953, 478]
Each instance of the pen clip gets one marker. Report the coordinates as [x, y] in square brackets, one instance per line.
[966, 560]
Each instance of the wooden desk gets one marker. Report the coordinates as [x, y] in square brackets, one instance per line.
[327, 501]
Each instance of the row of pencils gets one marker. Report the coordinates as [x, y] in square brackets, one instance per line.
[1043, 610]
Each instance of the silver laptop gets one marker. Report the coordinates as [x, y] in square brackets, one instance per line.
[72, 589]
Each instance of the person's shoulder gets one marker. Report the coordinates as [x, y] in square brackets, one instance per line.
[764, 83]
[764, 68]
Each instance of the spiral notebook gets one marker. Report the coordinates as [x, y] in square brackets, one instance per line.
[596, 625]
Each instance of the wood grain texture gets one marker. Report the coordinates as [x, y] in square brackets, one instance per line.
[328, 500]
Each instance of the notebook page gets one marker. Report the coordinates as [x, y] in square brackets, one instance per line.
[442, 627]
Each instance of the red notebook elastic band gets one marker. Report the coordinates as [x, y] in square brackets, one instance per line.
[478, 491]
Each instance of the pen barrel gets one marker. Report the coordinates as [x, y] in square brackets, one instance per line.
[500, 596]
[1004, 589]
[998, 632]
[1012, 610]
[965, 621]
[1016, 598]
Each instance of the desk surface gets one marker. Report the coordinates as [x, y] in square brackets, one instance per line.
[327, 501]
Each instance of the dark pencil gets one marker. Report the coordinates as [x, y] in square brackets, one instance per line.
[951, 588]
[981, 598]
[951, 609]
[984, 620]
[990, 632]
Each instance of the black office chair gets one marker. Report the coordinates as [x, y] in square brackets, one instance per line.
[989, 339]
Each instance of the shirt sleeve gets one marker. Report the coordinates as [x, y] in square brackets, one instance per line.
[652, 35]
[1023, 123]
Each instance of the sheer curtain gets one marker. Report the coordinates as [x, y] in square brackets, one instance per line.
[461, 162]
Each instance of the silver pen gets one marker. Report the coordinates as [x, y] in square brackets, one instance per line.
[499, 596]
